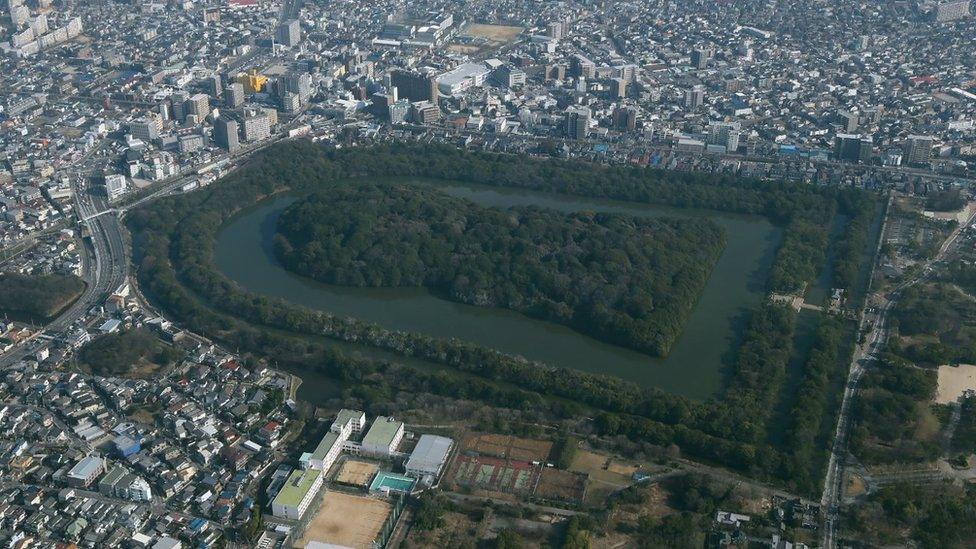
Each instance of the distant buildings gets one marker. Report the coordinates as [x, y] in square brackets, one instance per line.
[462, 77]
[951, 11]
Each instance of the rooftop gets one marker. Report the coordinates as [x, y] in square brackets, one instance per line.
[85, 468]
[328, 441]
[297, 486]
[382, 431]
[430, 454]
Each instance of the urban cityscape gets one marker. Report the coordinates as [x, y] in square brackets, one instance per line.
[534, 274]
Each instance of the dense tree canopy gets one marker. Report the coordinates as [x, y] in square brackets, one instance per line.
[625, 280]
[173, 245]
[38, 296]
[122, 352]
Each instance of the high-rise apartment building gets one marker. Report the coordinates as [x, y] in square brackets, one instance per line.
[226, 134]
[413, 86]
[234, 95]
[578, 123]
[290, 33]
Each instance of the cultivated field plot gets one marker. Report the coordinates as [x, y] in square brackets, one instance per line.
[346, 520]
[505, 446]
[356, 473]
[494, 474]
[479, 38]
[563, 486]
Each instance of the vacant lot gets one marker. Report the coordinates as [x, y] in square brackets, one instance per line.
[347, 520]
[562, 486]
[506, 446]
[356, 473]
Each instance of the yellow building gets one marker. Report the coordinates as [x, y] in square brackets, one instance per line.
[252, 81]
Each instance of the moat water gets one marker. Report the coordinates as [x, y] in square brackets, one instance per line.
[694, 368]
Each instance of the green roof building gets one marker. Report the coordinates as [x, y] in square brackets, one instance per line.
[297, 494]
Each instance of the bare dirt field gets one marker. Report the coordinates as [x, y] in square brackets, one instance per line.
[356, 473]
[348, 520]
[505, 446]
[954, 381]
[477, 38]
[563, 486]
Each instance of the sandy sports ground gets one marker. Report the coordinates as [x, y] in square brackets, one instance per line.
[494, 33]
[954, 381]
[478, 38]
[356, 473]
[348, 520]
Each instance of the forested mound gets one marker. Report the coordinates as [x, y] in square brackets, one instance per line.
[38, 297]
[621, 279]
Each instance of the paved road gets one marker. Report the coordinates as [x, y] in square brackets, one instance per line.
[865, 355]
[104, 271]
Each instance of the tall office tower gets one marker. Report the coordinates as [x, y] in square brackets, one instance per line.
[215, 86]
[618, 88]
[178, 100]
[234, 95]
[918, 149]
[413, 86]
[700, 57]
[694, 97]
[853, 148]
[198, 105]
[554, 30]
[290, 33]
[625, 118]
[725, 134]
[951, 10]
[578, 122]
[225, 134]
[627, 72]
[582, 66]
[298, 83]
[291, 102]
